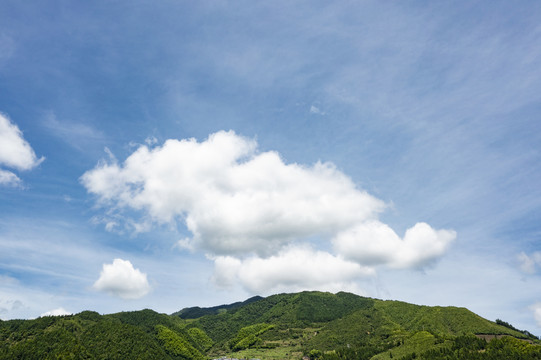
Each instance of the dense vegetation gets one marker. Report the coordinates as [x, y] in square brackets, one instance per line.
[286, 326]
[197, 312]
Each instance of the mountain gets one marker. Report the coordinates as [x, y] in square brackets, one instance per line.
[285, 326]
[197, 312]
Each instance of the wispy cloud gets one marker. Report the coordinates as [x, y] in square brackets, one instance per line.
[316, 110]
[433, 107]
[77, 134]
[529, 263]
[7, 48]
[50, 264]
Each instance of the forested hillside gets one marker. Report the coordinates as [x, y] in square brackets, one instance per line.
[286, 326]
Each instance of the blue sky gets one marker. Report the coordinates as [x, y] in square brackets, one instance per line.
[170, 154]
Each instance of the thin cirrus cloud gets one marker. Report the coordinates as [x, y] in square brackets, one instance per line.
[75, 133]
[252, 211]
[121, 279]
[15, 152]
[529, 263]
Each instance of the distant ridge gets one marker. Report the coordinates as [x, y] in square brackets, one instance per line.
[197, 312]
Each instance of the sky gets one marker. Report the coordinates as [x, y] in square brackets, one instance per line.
[171, 154]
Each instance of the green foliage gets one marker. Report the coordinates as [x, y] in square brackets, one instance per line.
[176, 344]
[248, 341]
[248, 336]
[285, 326]
[506, 324]
[346, 353]
[299, 310]
[440, 320]
[200, 338]
[110, 338]
[469, 347]
[470, 342]
[416, 343]
[526, 333]
[146, 319]
[197, 312]
[315, 354]
[89, 336]
[316, 307]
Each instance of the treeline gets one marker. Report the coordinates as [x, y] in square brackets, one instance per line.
[473, 348]
[286, 326]
[467, 347]
[88, 335]
[526, 333]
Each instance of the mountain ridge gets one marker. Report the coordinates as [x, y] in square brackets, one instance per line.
[313, 324]
[196, 311]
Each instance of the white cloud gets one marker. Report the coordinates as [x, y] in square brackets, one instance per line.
[529, 263]
[375, 243]
[316, 110]
[185, 244]
[536, 308]
[249, 211]
[15, 151]
[292, 269]
[8, 178]
[56, 312]
[121, 279]
[151, 140]
[233, 199]
[5, 280]
[226, 270]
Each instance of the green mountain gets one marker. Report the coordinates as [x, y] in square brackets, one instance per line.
[285, 326]
[197, 312]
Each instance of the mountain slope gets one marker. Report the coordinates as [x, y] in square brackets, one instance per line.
[197, 312]
[326, 322]
[283, 326]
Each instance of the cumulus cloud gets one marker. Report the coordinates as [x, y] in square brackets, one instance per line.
[56, 312]
[233, 199]
[536, 309]
[121, 279]
[249, 211]
[529, 263]
[15, 151]
[292, 269]
[375, 243]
